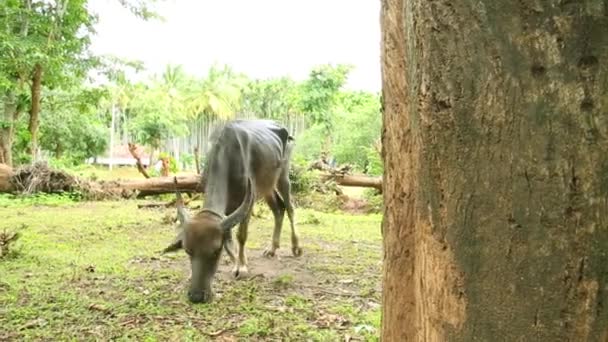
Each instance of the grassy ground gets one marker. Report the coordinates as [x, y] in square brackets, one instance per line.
[103, 172]
[92, 271]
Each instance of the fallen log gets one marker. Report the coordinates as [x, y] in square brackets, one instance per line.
[188, 183]
[354, 180]
[56, 181]
[163, 185]
[40, 178]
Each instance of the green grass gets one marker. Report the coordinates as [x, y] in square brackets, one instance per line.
[92, 271]
[99, 172]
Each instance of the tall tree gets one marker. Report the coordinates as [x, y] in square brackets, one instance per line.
[496, 171]
[218, 95]
[61, 30]
[320, 93]
[14, 29]
[44, 44]
[272, 98]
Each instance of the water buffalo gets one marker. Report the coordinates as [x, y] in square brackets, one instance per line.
[249, 159]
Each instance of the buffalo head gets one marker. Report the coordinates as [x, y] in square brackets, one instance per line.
[203, 237]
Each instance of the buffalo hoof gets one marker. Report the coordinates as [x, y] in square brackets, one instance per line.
[200, 297]
[297, 251]
[269, 252]
[240, 272]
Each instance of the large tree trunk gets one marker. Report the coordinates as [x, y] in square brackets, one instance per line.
[34, 122]
[7, 126]
[495, 148]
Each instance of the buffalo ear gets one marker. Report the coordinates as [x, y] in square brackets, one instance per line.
[176, 245]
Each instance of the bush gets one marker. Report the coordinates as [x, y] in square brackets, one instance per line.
[355, 136]
[375, 166]
[374, 199]
[173, 168]
[187, 161]
[172, 163]
[301, 179]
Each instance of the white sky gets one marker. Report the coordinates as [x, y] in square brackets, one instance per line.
[262, 38]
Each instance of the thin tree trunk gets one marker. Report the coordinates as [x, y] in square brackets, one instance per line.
[112, 129]
[34, 122]
[196, 160]
[7, 126]
[496, 187]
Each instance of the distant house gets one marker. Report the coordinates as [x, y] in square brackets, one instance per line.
[121, 157]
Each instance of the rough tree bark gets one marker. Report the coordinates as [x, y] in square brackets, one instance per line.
[34, 122]
[495, 146]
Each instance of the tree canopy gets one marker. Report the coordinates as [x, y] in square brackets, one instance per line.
[46, 69]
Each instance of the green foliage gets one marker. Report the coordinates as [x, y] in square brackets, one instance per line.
[172, 162]
[310, 143]
[187, 161]
[218, 94]
[272, 98]
[39, 199]
[55, 37]
[301, 179]
[75, 119]
[375, 166]
[71, 127]
[374, 200]
[53, 34]
[163, 106]
[22, 140]
[359, 127]
[320, 92]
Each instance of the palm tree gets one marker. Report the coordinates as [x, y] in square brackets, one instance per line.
[218, 95]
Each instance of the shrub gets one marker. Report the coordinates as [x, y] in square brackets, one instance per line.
[301, 179]
[374, 200]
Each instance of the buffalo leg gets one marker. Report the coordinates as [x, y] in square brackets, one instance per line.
[278, 211]
[240, 269]
[229, 247]
[284, 189]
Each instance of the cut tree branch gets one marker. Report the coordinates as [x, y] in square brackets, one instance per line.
[140, 166]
